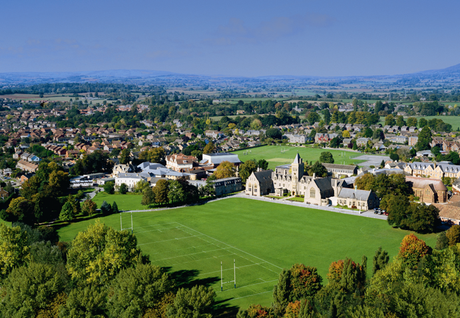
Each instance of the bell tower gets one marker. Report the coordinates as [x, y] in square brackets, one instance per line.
[297, 168]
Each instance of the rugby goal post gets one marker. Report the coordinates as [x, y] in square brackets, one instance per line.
[222, 276]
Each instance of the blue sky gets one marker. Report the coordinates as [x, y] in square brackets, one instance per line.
[238, 38]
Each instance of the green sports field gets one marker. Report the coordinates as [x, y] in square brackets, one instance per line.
[124, 201]
[280, 155]
[262, 238]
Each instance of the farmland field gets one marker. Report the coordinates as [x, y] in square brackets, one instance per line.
[453, 120]
[262, 237]
[279, 155]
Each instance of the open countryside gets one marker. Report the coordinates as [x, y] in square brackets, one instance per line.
[262, 237]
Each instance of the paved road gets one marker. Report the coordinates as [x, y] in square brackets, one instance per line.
[368, 214]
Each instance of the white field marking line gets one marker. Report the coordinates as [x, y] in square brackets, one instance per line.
[174, 239]
[202, 234]
[230, 269]
[202, 252]
[157, 224]
[198, 260]
[157, 230]
[270, 291]
[182, 249]
[235, 253]
[264, 282]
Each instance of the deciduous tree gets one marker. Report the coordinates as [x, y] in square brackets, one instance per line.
[209, 148]
[98, 254]
[453, 235]
[134, 290]
[87, 301]
[123, 188]
[125, 156]
[89, 207]
[148, 196]
[14, 251]
[161, 190]
[109, 187]
[226, 169]
[195, 302]
[326, 157]
[424, 138]
[412, 250]
[246, 169]
[27, 290]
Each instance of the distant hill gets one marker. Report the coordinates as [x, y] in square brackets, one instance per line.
[451, 70]
[149, 76]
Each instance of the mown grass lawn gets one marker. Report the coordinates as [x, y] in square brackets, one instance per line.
[124, 201]
[262, 238]
[280, 155]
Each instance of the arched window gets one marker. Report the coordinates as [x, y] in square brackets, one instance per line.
[312, 193]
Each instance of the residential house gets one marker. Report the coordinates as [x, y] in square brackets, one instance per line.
[296, 139]
[180, 162]
[26, 166]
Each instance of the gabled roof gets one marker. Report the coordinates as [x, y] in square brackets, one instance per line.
[325, 187]
[263, 175]
[354, 194]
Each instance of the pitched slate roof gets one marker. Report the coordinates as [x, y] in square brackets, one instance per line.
[325, 187]
[263, 175]
[354, 194]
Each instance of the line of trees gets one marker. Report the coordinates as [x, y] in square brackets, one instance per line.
[101, 273]
[418, 282]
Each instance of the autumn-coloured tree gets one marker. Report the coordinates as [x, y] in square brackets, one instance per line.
[335, 272]
[412, 250]
[347, 275]
[305, 281]
[256, 311]
[293, 309]
[226, 169]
